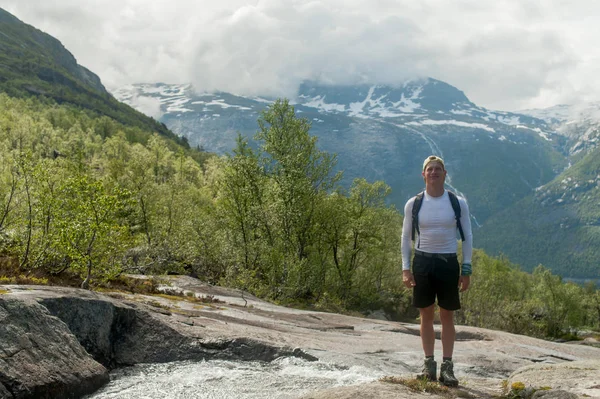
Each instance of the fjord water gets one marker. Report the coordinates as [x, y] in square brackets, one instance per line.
[218, 379]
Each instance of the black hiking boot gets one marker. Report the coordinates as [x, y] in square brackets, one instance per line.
[447, 374]
[429, 371]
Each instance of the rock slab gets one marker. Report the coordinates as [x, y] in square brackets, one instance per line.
[40, 357]
[119, 329]
[580, 377]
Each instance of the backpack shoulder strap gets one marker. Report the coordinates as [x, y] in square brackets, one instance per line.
[457, 213]
[415, 213]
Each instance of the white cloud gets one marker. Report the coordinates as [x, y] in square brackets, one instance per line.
[147, 105]
[503, 54]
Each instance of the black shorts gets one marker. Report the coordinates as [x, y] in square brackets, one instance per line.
[436, 276]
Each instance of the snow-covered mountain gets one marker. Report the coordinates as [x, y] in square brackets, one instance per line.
[579, 123]
[381, 133]
[427, 102]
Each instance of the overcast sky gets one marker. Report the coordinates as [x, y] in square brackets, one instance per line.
[504, 54]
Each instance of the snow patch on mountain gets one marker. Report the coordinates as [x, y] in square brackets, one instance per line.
[177, 104]
[165, 90]
[408, 104]
[376, 103]
[461, 112]
[262, 100]
[221, 103]
[430, 122]
[319, 103]
[540, 132]
[356, 108]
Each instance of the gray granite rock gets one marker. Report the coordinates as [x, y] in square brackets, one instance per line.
[553, 394]
[578, 377]
[39, 357]
[52, 338]
[4, 394]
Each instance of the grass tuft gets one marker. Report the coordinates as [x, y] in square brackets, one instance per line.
[419, 385]
[23, 280]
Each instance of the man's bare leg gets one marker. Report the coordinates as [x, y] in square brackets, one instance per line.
[448, 332]
[427, 332]
[429, 370]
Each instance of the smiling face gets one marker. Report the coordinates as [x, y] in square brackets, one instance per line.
[434, 174]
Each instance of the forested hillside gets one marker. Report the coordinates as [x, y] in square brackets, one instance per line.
[83, 195]
[558, 225]
[33, 63]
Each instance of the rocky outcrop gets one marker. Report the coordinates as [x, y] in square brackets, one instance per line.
[116, 334]
[52, 340]
[574, 378]
[72, 327]
[39, 357]
[120, 334]
[374, 390]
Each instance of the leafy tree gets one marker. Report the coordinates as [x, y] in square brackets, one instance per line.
[559, 305]
[300, 173]
[90, 234]
[240, 193]
[592, 295]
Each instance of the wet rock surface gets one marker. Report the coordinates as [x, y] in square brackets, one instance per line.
[120, 328]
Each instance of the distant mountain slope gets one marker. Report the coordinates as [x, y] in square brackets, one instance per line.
[580, 124]
[384, 133]
[35, 63]
[558, 225]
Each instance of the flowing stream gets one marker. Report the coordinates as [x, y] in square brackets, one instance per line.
[218, 379]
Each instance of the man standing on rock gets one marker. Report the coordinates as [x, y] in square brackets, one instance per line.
[431, 220]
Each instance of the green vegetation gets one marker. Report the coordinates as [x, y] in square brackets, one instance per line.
[33, 63]
[23, 280]
[539, 304]
[564, 227]
[518, 390]
[87, 199]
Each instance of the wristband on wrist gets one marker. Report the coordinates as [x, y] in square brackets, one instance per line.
[466, 269]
